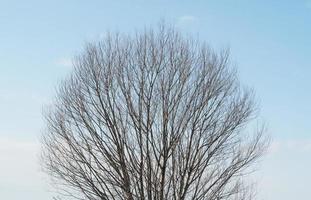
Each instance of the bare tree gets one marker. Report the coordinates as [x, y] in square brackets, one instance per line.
[151, 116]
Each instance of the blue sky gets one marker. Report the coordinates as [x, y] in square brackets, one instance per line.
[270, 44]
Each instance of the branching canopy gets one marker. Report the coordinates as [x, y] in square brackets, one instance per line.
[152, 116]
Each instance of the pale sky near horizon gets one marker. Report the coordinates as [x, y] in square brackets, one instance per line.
[270, 45]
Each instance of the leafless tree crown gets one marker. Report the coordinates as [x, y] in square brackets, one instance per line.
[152, 116]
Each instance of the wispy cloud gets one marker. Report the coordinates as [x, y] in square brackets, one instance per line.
[29, 96]
[65, 62]
[297, 145]
[18, 159]
[187, 19]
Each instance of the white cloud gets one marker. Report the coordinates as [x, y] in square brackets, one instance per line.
[19, 96]
[186, 20]
[65, 62]
[18, 160]
[20, 171]
[297, 145]
[284, 172]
